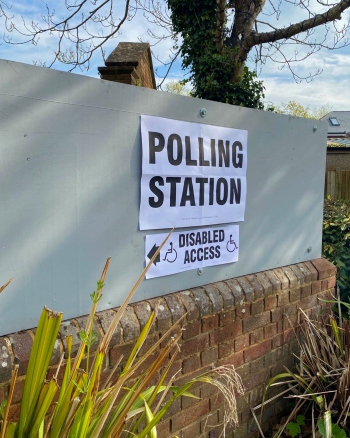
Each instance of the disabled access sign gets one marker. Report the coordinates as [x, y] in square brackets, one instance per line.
[193, 249]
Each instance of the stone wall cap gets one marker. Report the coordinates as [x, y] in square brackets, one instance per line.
[127, 53]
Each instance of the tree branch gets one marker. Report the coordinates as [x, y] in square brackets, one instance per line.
[332, 14]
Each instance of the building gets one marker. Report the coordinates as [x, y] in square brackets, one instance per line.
[337, 182]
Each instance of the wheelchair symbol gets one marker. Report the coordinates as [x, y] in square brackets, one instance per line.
[231, 245]
[171, 254]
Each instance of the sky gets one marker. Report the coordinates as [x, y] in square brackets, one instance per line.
[331, 87]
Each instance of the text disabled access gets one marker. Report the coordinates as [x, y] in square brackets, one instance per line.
[192, 250]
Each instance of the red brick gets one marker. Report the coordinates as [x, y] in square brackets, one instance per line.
[184, 418]
[316, 287]
[299, 274]
[324, 268]
[305, 291]
[209, 356]
[243, 371]
[230, 331]
[243, 311]
[3, 392]
[277, 341]
[182, 380]
[164, 319]
[174, 409]
[257, 365]
[270, 302]
[106, 317]
[191, 364]
[290, 322]
[288, 335]
[306, 272]
[245, 417]
[255, 395]
[121, 350]
[235, 359]
[209, 391]
[257, 336]
[258, 289]
[293, 279]
[279, 326]
[282, 298]
[192, 329]
[324, 285]
[327, 295]
[14, 413]
[22, 347]
[176, 370]
[189, 401]
[257, 350]
[283, 279]
[257, 379]
[256, 321]
[308, 302]
[295, 295]
[208, 424]
[163, 429]
[332, 282]
[242, 342]
[209, 323]
[291, 310]
[311, 268]
[18, 390]
[247, 288]
[227, 317]
[277, 314]
[270, 330]
[257, 307]
[241, 431]
[226, 348]
[6, 362]
[197, 344]
[190, 304]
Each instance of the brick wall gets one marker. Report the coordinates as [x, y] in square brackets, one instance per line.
[243, 321]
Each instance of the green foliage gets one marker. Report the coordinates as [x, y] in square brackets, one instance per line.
[177, 87]
[294, 426]
[336, 431]
[2, 409]
[320, 386]
[81, 406]
[293, 108]
[211, 69]
[336, 241]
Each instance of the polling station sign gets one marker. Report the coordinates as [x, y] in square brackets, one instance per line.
[192, 174]
[195, 249]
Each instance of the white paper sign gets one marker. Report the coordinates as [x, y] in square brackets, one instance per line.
[192, 174]
[192, 249]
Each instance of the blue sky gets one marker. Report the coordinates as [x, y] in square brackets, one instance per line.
[331, 87]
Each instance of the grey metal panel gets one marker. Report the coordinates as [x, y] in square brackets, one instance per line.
[70, 163]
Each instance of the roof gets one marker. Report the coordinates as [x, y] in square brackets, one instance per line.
[338, 143]
[127, 53]
[343, 117]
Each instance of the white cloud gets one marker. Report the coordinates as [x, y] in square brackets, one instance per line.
[321, 91]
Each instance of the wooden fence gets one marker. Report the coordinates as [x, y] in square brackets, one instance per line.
[338, 184]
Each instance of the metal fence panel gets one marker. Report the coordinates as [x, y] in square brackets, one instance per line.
[70, 167]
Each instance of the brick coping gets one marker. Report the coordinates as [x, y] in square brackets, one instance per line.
[198, 302]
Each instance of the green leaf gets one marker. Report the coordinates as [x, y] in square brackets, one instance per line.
[294, 429]
[300, 420]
